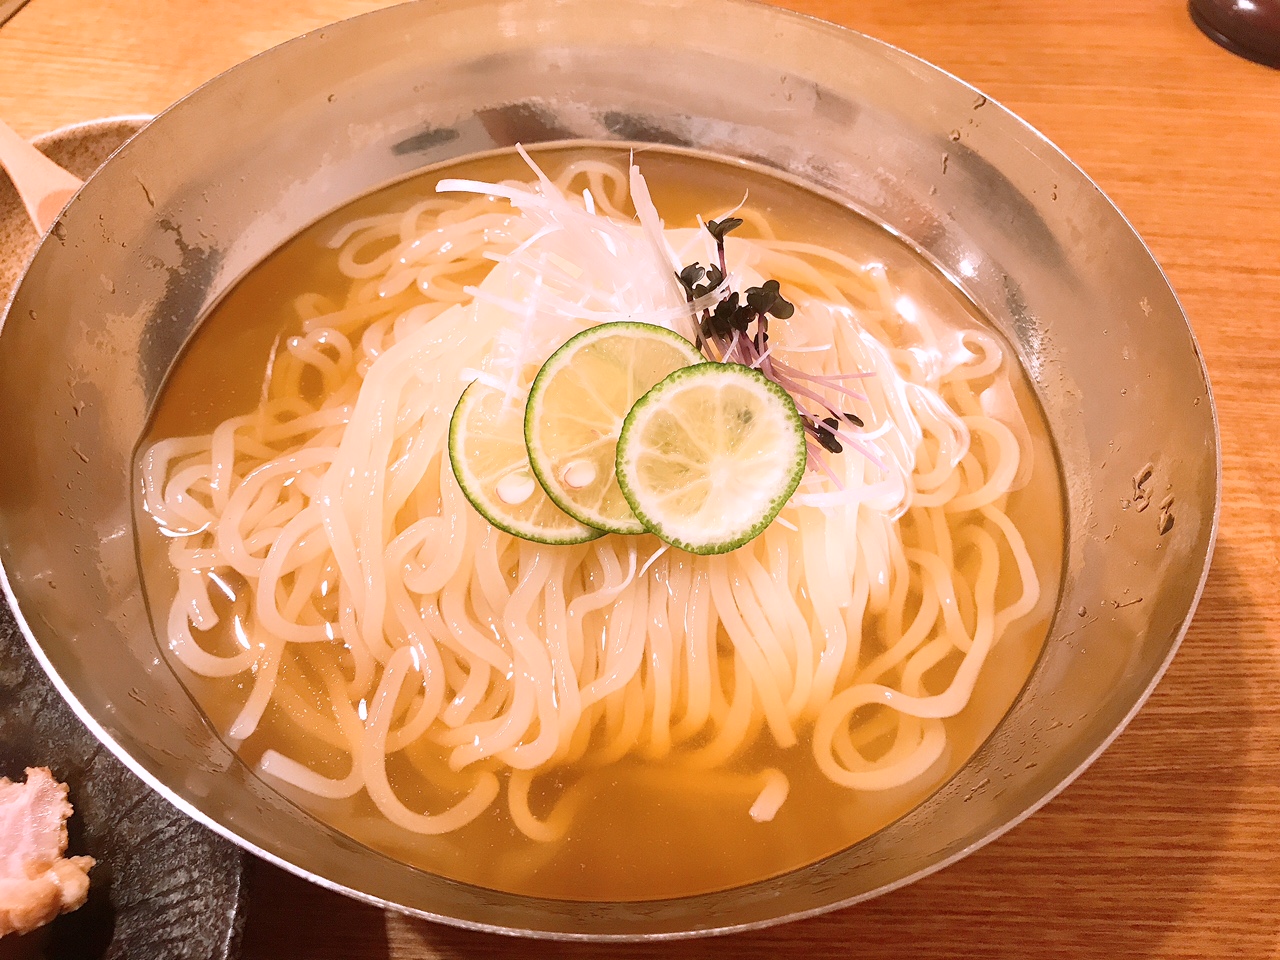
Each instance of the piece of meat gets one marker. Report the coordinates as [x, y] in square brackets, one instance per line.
[36, 882]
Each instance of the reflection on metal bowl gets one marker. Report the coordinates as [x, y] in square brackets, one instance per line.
[160, 878]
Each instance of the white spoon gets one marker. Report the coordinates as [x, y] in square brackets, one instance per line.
[43, 186]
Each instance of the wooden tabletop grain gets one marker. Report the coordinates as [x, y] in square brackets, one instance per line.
[1169, 846]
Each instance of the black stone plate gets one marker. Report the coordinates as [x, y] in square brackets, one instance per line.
[164, 887]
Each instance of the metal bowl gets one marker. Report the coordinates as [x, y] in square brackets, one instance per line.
[229, 173]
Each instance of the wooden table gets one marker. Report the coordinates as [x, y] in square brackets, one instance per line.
[1168, 846]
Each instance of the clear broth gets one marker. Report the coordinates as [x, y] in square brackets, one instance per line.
[648, 831]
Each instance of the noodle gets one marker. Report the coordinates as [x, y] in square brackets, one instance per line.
[333, 517]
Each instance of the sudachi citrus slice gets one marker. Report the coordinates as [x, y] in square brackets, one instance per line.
[487, 451]
[576, 407]
[708, 457]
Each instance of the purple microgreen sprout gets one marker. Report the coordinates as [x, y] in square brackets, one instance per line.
[736, 330]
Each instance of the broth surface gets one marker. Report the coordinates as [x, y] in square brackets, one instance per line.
[648, 830]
